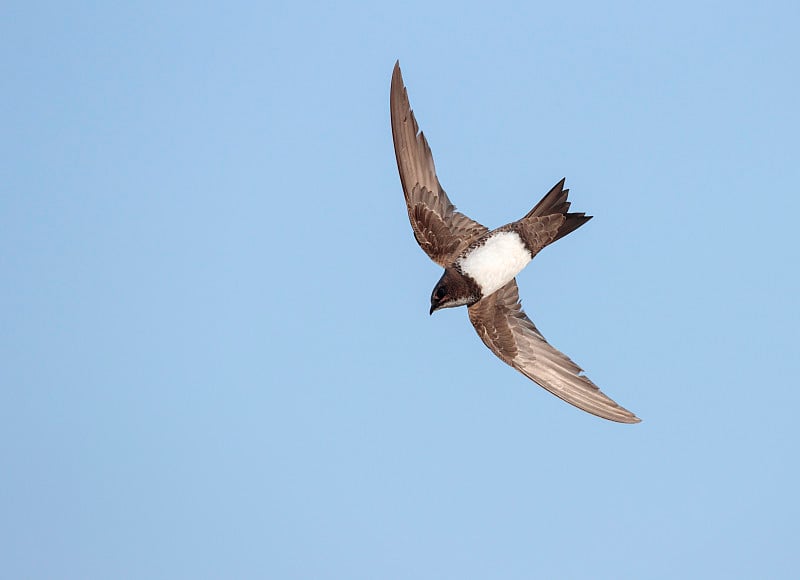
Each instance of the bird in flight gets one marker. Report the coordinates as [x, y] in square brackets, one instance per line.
[480, 265]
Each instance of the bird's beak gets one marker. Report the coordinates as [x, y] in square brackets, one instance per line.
[433, 309]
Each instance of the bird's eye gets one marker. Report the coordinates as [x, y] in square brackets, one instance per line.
[440, 292]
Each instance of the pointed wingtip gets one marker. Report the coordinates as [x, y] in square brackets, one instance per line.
[629, 417]
[617, 415]
[397, 78]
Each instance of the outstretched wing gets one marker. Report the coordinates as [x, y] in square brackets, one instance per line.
[510, 334]
[440, 230]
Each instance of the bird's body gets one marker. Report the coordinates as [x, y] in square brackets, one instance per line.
[480, 265]
[495, 261]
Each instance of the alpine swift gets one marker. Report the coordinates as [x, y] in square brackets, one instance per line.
[480, 265]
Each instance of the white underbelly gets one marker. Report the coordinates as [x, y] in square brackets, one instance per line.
[496, 262]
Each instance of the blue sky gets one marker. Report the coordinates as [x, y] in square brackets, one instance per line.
[216, 358]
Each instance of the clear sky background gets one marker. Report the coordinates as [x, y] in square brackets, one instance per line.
[216, 359]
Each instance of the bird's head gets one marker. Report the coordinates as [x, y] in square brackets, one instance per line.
[453, 290]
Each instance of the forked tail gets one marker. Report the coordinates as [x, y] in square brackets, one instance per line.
[555, 202]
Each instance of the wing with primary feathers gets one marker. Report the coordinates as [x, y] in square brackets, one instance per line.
[504, 327]
[441, 231]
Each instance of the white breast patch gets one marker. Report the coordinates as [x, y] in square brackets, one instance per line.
[495, 263]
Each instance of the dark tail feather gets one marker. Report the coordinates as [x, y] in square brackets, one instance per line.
[573, 222]
[556, 202]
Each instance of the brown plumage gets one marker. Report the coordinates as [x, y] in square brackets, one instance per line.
[451, 239]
